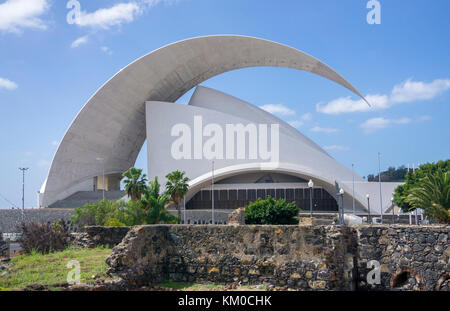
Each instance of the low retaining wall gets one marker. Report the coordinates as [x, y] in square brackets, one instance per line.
[293, 256]
[410, 257]
[93, 236]
[305, 258]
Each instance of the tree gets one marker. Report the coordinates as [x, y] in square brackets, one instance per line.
[177, 187]
[271, 212]
[433, 196]
[414, 179]
[155, 205]
[135, 183]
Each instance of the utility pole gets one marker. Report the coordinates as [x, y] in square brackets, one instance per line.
[379, 182]
[212, 193]
[353, 191]
[103, 176]
[23, 169]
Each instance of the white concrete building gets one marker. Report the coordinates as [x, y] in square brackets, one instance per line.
[138, 104]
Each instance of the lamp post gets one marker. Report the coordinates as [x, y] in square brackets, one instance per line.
[379, 182]
[368, 208]
[23, 169]
[353, 190]
[393, 213]
[341, 206]
[103, 176]
[184, 209]
[310, 185]
[212, 194]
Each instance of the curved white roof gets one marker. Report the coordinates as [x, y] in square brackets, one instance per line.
[111, 125]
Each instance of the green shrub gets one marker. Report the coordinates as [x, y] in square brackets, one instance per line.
[271, 212]
[113, 222]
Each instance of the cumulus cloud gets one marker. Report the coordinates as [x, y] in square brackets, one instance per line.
[380, 123]
[107, 17]
[16, 15]
[325, 130]
[278, 109]
[7, 84]
[79, 41]
[408, 91]
[335, 148]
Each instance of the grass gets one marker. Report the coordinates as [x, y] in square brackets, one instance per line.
[182, 286]
[51, 269]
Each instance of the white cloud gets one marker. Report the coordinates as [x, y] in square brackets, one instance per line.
[306, 117]
[295, 123]
[376, 124]
[55, 143]
[106, 50]
[278, 109]
[425, 118]
[16, 15]
[325, 130]
[107, 17]
[7, 84]
[408, 91]
[336, 148]
[79, 41]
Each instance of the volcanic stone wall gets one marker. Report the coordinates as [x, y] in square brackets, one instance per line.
[410, 257]
[291, 256]
[298, 257]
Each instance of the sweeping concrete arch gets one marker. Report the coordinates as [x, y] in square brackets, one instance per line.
[111, 125]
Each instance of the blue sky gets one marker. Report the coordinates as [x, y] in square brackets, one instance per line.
[50, 68]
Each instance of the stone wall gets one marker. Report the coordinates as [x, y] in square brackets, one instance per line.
[292, 256]
[298, 257]
[93, 236]
[11, 218]
[410, 257]
[4, 247]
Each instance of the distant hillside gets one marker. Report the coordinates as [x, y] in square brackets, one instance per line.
[391, 175]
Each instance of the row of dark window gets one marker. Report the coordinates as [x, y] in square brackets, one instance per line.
[231, 199]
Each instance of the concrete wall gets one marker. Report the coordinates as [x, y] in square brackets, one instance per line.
[305, 258]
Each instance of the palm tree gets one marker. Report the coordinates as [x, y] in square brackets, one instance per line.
[433, 196]
[177, 187]
[154, 205]
[135, 183]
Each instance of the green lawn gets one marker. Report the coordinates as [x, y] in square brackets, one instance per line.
[51, 269]
[182, 286]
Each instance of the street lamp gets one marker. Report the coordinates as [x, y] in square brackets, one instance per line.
[23, 169]
[353, 190]
[310, 185]
[212, 194]
[393, 213]
[379, 182]
[103, 175]
[341, 205]
[368, 208]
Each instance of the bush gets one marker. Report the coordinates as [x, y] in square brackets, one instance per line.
[113, 222]
[271, 212]
[44, 237]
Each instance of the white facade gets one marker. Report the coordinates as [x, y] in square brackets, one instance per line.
[112, 124]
